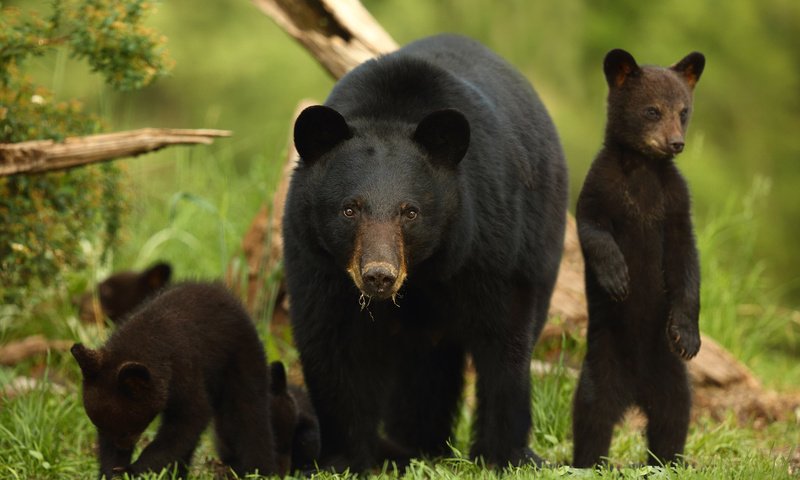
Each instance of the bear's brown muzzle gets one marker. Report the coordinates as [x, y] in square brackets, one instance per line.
[378, 266]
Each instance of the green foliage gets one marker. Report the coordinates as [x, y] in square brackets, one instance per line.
[739, 310]
[58, 221]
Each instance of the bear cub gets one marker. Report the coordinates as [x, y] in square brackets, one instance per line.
[296, 429]
[122, 292]
[190, 354]
[642, 272]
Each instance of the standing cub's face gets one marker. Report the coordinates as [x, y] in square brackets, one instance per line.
[381, 191]
[120, 398]
[649, 107]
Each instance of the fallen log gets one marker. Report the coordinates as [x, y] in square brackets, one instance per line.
[14, 352]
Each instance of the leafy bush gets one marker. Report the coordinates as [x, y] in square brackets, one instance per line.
[51, 222]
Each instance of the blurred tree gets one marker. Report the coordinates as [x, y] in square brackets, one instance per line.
[52, 222]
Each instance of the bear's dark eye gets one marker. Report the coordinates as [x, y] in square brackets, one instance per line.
[684, 115]
[652, 113]
[349, 212]
[410, 212]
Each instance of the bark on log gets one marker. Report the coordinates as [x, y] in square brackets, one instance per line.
[262, 245]
[46, 155]
[15, 352]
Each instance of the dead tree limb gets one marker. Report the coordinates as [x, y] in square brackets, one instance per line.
[46, 155]
[340, 34]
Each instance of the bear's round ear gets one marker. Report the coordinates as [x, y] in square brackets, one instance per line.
[618, 66]
[317, 130]
[445, 135]
[133, 378]
[277, 378]
[89, 360]
[691, 67]
[157, 276]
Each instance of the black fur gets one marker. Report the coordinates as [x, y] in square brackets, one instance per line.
[642, 272]
[429, 226]
[294, 424]
[190, 354]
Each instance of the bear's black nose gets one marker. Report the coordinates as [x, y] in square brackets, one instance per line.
[677, 147]
[379, 279]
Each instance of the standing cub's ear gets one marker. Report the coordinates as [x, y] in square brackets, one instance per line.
[445, 135]
[691, 67]
[317, 130]
[133, 378]
[618, 66]
[88, 359]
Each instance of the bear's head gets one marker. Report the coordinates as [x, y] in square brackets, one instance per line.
[121, 398]
[122, 292]
[649, 107]
[383, 191]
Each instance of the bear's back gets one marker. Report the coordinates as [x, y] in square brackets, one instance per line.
[195, 322]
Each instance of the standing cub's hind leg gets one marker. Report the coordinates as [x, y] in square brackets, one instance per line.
[667, 405]
[602, 397]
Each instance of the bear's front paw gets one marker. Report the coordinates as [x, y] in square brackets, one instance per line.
[614, 279]
[118, 472]
[683, 338]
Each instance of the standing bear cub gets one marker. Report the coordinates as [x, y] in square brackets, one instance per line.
[424, 223]
[642, 272]
[189, 354]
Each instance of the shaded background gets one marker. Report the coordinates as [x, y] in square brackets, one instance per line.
[237, 70]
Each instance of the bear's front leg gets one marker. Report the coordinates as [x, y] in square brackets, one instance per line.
[602, 255]
[181, 426]
[111, 457]
[682, 277]
[503, 419]
[342, 381]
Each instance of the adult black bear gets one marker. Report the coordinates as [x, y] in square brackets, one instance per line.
[189, 354]
[642, 273]
[122, 292]
[424, 222]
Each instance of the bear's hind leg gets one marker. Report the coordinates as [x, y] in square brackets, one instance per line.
[602, 396]
[667, 407]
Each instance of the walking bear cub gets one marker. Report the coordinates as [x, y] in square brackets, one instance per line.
[424, 222]
[293, 422]
[189, 354]
[122, 292]
[642, 272]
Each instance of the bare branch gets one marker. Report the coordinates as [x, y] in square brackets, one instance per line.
[46, 155]
[340, 34]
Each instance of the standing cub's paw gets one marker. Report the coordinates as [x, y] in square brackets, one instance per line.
[613, 277]
[683, 336]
